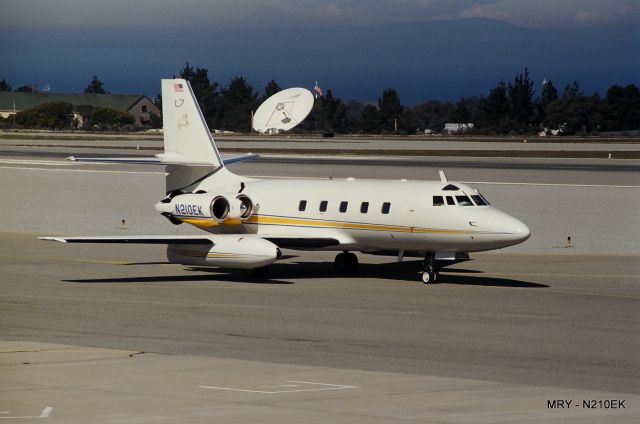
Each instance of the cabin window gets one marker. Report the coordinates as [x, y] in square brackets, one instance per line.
[464, 200]
[302, 206]
[364, 207]
[450, 201]
[478, 200]
[438, 201]
[323, 206]
[386, 206]
[343, 206]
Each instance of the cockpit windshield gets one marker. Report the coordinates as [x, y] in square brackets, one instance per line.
[480, 199]
[476, 199]
[464, 200]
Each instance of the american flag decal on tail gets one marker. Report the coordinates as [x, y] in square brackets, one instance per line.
[178, 88]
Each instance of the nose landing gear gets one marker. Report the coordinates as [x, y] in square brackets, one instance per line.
[429, 272]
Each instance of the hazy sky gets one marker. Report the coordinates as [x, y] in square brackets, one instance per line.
[426, 49]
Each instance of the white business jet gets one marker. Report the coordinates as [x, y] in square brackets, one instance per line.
[249, 220]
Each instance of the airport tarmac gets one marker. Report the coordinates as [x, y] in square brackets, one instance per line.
[499, 338]
[494, 342]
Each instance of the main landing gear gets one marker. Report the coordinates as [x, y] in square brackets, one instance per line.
[346, 262]
[429, 270]
[262, 272]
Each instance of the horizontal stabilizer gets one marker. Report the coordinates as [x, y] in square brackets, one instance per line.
[131, 160]
[138, 160]
[239, 158]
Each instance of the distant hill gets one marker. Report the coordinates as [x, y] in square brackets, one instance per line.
[430, 60]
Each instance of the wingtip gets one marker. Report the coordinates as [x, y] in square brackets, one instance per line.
[58, 239]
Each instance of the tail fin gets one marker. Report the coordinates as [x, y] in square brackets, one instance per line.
[187, 139]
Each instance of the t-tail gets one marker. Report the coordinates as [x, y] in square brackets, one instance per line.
[187, 139]
[190, 152]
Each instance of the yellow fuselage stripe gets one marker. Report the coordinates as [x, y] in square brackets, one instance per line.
[304, 222]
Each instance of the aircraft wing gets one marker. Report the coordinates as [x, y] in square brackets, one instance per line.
[134, 239]
[283, 242]
[153, 160]
[302, 242]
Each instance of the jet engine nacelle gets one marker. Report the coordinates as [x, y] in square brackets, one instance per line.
[227, 251]
[207, 206]
[240, 207]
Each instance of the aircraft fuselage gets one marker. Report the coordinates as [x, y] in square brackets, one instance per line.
[374, 215]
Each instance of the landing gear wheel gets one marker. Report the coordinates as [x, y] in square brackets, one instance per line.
[352, 262]
[429, 277]
[340, 262]
[346, 262]
[429, 272]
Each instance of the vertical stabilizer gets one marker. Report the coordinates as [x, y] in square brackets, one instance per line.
[187, 139]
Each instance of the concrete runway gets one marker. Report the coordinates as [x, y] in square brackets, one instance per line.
[500, 337]
[339, 142]
[595, 202]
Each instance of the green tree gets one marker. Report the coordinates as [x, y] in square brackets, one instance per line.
[95, 87]
[520, 99]
[430, 115]
[105, 117]
[4, 85]
[369, 120]
[330, 113]
[270, 89]
[495, 109]
[461, 113]
[622, 108]
[25, 89]
[54, 115]
[575, 114]
[571, 91]
[548, 95]
[238, 100]
[389, 109]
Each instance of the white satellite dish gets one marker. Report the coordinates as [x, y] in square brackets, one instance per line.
[283, 111]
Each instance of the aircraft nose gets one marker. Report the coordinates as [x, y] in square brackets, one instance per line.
[522, 231]
[517, 230]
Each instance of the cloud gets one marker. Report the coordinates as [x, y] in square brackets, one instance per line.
[173, 14]
[542, 13]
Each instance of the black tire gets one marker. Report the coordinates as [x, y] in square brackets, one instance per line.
[340, 262]
[352, 262]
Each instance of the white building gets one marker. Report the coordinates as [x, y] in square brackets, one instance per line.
[457, 127]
